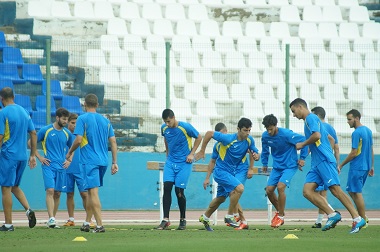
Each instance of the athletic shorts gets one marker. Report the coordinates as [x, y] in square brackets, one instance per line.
[356, 180]
[54, 178]
[94, 175]
[325, 173]
[281, 175]
[321, 188]
[226, 180]
[241, 175]
[73, 178]
[11, 171]
[179, 173]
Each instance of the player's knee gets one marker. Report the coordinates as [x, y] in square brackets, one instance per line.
[239, 189]
[281, 187]
[168, 187]
[180, 192]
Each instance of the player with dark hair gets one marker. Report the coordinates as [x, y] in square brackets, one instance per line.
[361, 159]
[321, 113]
[323, 168]
[233, 149]
[178, 165]
[280, 143]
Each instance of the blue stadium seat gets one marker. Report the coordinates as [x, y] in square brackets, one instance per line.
[10, 72]
[72, 104]
[41, 104]
[32, 73]
[12, 55]
[55, 89]
[25, 102]
[39, 119]
[3, 42]
[6, 83]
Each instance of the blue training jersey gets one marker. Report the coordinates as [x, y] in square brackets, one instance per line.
[179, 140]
[55, 145]
[96, 131]
[15, 123]
[362, 141]
[331, 131]
[282, 146]
[321, 149]
[232, 151]
[74, 166]
[243, 165]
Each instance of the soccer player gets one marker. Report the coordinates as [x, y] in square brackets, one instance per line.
[281, 143]
[92, 133]
[233, 149]
[323, 168]
[56, 139]
[178, 165]
[243, 171]
[361, 159]
[74, 175]
[321, 113]
[15, 124]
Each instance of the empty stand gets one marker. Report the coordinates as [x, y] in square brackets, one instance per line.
[25, 102]
[10, 72]
[235, 61]
[290, 14]
[372, 30]
[232, 29]
[246, 45]
[72, 104]
[55, 89]
[163, 27]
[41, 104]
[197, 12]
[258, 60]
[255, 30]
[12, 55]
[201, 123]
[140, 26]
[175, 12]
[117, 26]
[39, 119]
[129, 10]
[349, 31]
[32, 73]
[209, 28]
[358, 14]
[186, 27]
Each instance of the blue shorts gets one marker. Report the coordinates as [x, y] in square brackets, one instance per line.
[356, 180]
[179, 173]
[241, 175]
[325, 173]
[54, 178]
[321, 188]
[226, 180]
[73, 178]
[221, 192]
[281, 175]
[11, 171]
[93, 175]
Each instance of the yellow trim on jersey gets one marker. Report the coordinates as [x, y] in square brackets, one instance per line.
[84, 140]
[188, 138]
[44, 141]
[360, 147]
[7, 132]
[223, 149]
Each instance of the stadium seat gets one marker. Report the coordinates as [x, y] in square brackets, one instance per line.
[348, 3]
[109, 43]
[279, 30]
[186, 27]
[212, 60]
[197, 12]
[175, 12]
[3, 42]
[155, 43]
[84, 10]
[281, 92]
[232, 29]
[6, 83]
[40, 9]
[314, 45]
[12, 55]
[257, 3]
[344, 77]
[278, 3]
[339, 45]
[224, 44]
[103, 11]
[253, 109]
[330, 107]
[357, 93]
[155, 108]
[72, 104]
[117, 26]
[308, 30]
[189, 59]
[181, 107]
[212, 3]
[270, 45]
[358, 14]
[296, 125]
[151, 11]
[368, 77]
[290, 14]
[25, 102]
[95, 58]
[301, 3]
[255, 30]
[55, 89]
[349, 31]
[61, 10]
[328, 60]
[363, 45]
[258, 60]
[304, 61]
[178, 77]
[207, 107]
[201, 123]
[39, 119]
[132, 43]
[275, 107]
[234, 61]
[10, 72]
[109, 75]
[180, 43]
[209, 28]
[246, 45]
[41, 104]
[142, 59]
[310, 93]
[371, 109]
[188, 2]
[264, 93]
[372, 61]
[165, 2]
[372, 30]
[352, 60]
[218, 93]
[278, 60]
[201, 44]
[249, 76]
[155, 75]
[193, 92]
[320, 77]
[341, 127]
[139, 92]
[129, 10]
[327, 31]
[140, 27]
[312, 13]
[240, 93]
[333, 92]
[273, 77]
[119, 58]
[332, 14]
[294, 43]
[32, 73]
[163, 27]
[298, 77]
[323, 3]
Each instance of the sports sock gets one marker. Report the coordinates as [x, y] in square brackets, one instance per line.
[244, 222]
[86, 223]
[205, 217]
[71, 219]
[8, 225]
[229, 216]
[281, 217]
[320, 218]
[358, 219]
[331, 215]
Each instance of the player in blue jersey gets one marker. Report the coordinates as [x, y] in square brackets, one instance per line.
[74, 175]
[56, 139]
[178, 165]
[15, 124]
[323, 167]
[361, 159]
[321, 113]
[233, 149]
[92, 133]
[242, 172]
[280, 143]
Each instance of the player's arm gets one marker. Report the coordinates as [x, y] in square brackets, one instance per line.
[114, 167]
[251, 166]
[76, 144]
[33, 149]
[191, 157]
[264, 154]
[312, 139]
[337, 153]
[166, 147]
[372, 171]
[206, 140]
[348, 159]
[210, 169]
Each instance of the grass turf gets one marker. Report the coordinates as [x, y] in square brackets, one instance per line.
[144, 238]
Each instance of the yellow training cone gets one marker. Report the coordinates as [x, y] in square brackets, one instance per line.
[80, 238]
[290, 236]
